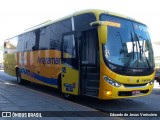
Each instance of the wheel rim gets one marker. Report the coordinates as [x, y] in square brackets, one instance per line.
[18, 78]
[67, 95]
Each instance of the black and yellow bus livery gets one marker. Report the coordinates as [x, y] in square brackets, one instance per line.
[92, 52]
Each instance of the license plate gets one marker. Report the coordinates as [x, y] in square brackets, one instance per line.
[135, 92]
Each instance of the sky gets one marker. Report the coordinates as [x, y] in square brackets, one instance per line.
[18, 15]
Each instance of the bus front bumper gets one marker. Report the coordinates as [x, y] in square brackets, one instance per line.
[111, 92]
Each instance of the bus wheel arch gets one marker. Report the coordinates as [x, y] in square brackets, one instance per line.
[65, 95]
[59, 83]
[19, 78]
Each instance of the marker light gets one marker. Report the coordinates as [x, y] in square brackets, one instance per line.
[112, 82]
[109, 93]
[151, 82]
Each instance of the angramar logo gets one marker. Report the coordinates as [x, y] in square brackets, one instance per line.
[48, 60]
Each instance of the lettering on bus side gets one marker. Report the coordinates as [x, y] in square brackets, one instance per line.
[45, 61]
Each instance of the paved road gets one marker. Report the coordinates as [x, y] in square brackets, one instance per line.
[41, 98]
[37, 98]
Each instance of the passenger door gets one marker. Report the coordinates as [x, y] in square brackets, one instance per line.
[70, 64]
[90, 63]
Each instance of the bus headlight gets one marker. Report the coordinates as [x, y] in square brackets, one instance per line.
[151, 82]
[112, 82]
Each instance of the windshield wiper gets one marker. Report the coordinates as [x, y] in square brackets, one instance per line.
[133, 45]
[144, 53]
[123, 49]
[141, 49]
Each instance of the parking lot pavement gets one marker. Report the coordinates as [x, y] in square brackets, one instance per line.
[16, 98]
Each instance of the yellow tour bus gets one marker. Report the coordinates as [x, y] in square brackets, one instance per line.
[94, 53]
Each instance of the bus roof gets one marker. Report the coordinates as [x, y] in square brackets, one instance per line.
[94, 11]
[97, 12]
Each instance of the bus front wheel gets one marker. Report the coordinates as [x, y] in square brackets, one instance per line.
[67, 96]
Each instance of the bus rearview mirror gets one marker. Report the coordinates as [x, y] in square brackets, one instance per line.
[102, 30]
[102, 33]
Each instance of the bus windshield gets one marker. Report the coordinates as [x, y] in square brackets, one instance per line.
[128, 44]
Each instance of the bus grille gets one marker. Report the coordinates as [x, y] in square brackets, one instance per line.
[129, 93]
[135, 85]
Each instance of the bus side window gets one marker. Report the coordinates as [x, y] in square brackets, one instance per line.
[69, 47]
[56, 31]
[44, 39]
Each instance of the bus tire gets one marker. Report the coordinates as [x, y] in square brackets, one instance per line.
[19, 79]
[67, 96]
[59, 83]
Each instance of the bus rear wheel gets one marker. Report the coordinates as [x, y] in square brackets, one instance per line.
[19, 79]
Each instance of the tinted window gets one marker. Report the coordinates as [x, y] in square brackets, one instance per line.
[82, 22]
[40, 39]
[44, 40]
[69, 46]
[56, 32]
[28, 41]
[20, 45]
